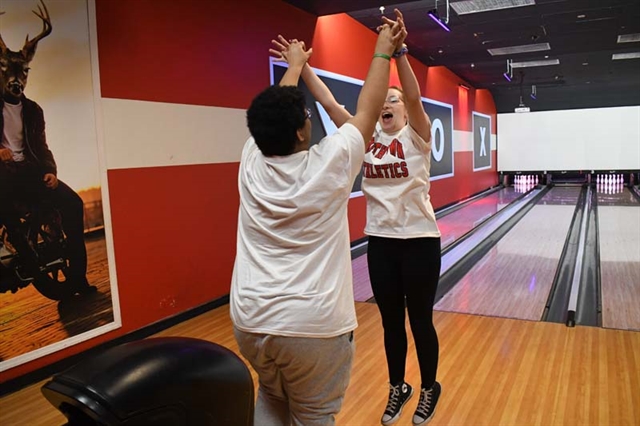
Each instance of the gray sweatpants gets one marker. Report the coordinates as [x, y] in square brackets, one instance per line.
[302, 380]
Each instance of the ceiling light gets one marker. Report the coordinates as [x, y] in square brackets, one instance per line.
[509, 74]
[473, 65]
[540, 63]
[631, 55]
[519, 49]
[585, 63]
[477, 6]
[582, 16]
[464, 86]
[629, 38]
[433, 14]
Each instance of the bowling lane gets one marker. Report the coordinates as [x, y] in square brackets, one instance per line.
[456, 224]
[619, 237]
[514, 278]
[452, 226]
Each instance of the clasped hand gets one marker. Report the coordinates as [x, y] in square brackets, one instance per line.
[393, 32]
[292, 51]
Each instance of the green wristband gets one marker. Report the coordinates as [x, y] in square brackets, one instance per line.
[382, 55]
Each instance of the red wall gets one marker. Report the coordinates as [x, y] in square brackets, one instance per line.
[174, 227]
[191, 51]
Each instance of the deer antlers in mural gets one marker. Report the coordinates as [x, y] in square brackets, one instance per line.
[14, 66]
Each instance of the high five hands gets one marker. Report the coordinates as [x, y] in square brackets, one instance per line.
[398, 29]
[290, 51]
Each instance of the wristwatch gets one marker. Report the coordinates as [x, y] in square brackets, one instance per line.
[401, 52]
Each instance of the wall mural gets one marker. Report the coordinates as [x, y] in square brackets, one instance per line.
[57, 280]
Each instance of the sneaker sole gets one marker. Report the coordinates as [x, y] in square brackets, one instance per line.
[397, 416]
[425, 421]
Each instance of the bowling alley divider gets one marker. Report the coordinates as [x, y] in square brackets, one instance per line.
[171, 92]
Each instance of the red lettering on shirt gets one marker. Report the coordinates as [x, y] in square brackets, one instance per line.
[395, 149]
[388, 170]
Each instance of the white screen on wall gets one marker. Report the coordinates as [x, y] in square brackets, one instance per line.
[581, 139]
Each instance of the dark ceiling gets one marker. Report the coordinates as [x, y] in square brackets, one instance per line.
[582, 35]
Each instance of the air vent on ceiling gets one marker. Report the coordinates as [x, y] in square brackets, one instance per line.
[512, 50]
[629, 38]
[631, 55]
[540, 63]
[476, 6]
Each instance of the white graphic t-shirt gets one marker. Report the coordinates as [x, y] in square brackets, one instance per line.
[395, 182]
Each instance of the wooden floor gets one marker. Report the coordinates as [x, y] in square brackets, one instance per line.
[494, 371]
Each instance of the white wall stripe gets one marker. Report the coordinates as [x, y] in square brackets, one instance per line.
[152, 134]
[155, 134]
[463, 141]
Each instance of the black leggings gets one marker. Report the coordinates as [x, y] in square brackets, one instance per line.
[406, 268]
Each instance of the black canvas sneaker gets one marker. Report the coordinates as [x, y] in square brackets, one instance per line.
[427, 405]
[398, 396]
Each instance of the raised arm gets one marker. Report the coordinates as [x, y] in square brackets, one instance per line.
[338, 114]
[374, 90]
[418, 118]
[297, 56]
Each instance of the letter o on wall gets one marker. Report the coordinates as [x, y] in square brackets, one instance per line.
[437, 143]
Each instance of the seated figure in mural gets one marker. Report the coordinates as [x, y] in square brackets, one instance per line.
[28, 172]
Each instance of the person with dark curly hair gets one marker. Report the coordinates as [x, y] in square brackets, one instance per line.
[291, 299]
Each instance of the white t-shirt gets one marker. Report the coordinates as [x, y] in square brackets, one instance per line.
[395, 182]
[12, 132]
[292, 274]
